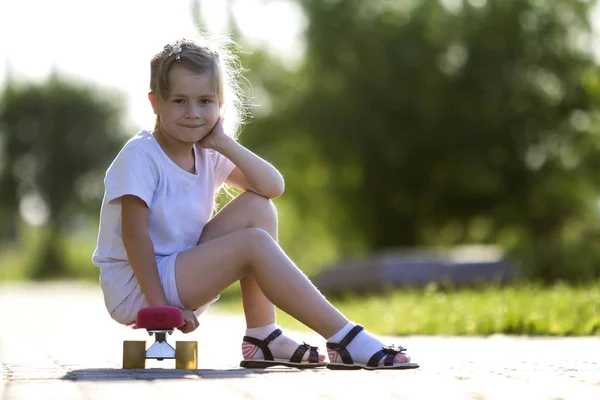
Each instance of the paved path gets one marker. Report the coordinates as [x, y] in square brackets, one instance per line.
[58, 342]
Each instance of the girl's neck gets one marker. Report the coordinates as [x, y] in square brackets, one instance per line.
[180, 153]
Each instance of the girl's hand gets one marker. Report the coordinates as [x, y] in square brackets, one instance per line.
[191, 322]
[215, 137]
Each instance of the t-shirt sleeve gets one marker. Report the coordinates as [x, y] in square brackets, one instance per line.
[131, 173]
[223, 167]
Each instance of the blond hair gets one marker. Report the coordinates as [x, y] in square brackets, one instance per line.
[215, 56]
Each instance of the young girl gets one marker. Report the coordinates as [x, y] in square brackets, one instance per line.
[158, 244]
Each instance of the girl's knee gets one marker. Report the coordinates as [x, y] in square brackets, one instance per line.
[257, 237]
[257, 240]
[261, 206]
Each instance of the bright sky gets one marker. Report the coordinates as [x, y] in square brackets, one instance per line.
[110, 42]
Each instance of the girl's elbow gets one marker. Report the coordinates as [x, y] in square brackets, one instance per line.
[271, 191]
[278, 190]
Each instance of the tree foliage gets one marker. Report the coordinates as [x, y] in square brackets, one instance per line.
[56, 135]
[438, 123]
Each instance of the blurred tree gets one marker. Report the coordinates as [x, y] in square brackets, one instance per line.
[56, 135]
[443, 122]
[272, 87]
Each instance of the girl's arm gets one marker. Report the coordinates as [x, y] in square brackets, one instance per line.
[140, 250]
[252, 172]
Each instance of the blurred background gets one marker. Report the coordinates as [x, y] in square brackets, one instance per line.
[441, 157]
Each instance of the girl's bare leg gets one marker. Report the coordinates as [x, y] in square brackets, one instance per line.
[252, 254]
[239, 243]
[248, 210]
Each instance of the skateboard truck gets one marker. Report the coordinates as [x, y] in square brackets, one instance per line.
[160, 321]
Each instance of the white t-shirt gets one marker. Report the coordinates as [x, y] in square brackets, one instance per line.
[180, 204]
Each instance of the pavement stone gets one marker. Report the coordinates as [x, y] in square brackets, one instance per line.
[58, 342]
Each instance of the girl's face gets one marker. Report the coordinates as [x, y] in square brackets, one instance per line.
[191, 109]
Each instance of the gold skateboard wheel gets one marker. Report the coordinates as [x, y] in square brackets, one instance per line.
[186, 355]
[134, 354]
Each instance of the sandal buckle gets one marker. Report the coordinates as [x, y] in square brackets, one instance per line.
[391, 349]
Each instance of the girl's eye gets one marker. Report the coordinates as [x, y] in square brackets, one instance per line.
[178, 101]
[205, 101]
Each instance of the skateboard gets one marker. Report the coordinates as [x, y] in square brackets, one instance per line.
[159, 321]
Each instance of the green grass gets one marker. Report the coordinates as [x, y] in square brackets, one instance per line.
[16, 261]
[524, 309]
[527, 309]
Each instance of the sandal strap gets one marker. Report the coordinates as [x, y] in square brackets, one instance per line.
[264, 344]
[390, 353]
[340, 347]
[313, 356]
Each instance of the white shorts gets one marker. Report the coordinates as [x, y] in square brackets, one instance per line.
[126, 312]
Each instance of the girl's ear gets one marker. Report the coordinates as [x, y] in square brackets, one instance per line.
[154, 101]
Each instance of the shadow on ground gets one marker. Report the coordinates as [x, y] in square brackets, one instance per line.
[113, 374]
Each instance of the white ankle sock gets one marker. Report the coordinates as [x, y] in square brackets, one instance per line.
[341, 334]
[262, 331]
[361, 348]
[282, 347]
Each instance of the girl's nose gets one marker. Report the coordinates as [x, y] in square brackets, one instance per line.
[193, 111]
